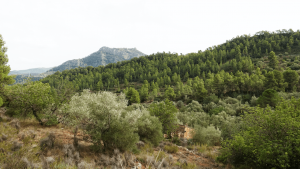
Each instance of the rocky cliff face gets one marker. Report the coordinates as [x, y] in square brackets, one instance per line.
[103, 56]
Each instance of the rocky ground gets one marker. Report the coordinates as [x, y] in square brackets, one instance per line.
[39, 146]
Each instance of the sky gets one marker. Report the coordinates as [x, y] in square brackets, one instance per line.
[49, 32]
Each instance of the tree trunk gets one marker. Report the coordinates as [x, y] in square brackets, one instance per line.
[38, 118]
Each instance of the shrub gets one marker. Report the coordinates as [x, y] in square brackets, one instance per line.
[215, 111]
[171, 149]
[31, 98]
[48, 142]
[166, 112]
[253, 101]
[180, 104]
[150, 129]
[194, 106]
[209, 135]
[269, 139]
[211, 98]
[269, 97]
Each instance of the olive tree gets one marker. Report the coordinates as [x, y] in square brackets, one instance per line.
[104, 115]
[29, 98]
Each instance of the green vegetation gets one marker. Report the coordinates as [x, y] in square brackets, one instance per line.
[269, 139]
[239, 95]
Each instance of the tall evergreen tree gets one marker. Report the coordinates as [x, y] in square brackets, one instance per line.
[4, 69]
[273, 62]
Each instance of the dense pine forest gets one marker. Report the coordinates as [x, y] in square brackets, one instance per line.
[242, 96]
[245, 65]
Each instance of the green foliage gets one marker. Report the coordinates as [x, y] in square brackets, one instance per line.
[4, 68]
[211, 98]
[269, 97]
[1, 101]
[103, 115]
[215, 111]
[51, 120]
[30, 98]
[292, 78]
[169, 93]
[224, 70]
[269, 139]
[194, 106]
[209, 135]
[132, 95]
[273, 62]
[150, 129]
[166, 112]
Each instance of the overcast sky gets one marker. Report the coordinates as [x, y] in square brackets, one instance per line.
[46, 33]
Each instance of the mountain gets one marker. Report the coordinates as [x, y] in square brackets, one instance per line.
[33, 71]
[103, 56]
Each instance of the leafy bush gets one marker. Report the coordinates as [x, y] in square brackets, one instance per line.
[150, 129]
[194, 106]
[269, 139]
[253, 101]
[194, 118]
[269, 97]
[209, 135]
[230, 100]
[171, 148]
[211, 98]
[166, 112]
[215, 111]
[30, 98]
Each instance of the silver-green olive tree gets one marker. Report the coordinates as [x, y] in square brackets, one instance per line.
[104, 117]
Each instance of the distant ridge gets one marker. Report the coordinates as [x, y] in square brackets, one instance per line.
[103, 56]
[33, 71]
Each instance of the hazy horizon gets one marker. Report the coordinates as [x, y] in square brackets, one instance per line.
[48, 33]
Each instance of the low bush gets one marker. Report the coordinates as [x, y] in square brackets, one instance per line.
[209, 135]
[171, 149]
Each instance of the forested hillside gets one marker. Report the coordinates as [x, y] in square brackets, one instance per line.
[241, 100]
[242, 65]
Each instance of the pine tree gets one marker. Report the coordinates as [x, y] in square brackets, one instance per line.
[281, 85]
[169, 93]
[273, 62]
[144, 93]
[199, 90]
[186, 76]
[269, 81]
[4, 69]
[132, 96]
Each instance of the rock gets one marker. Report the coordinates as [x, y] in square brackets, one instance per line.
[140, 144]
[4, 137]
[49, 160]
[82, 165]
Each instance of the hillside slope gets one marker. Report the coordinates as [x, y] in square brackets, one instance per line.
[237, 58]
